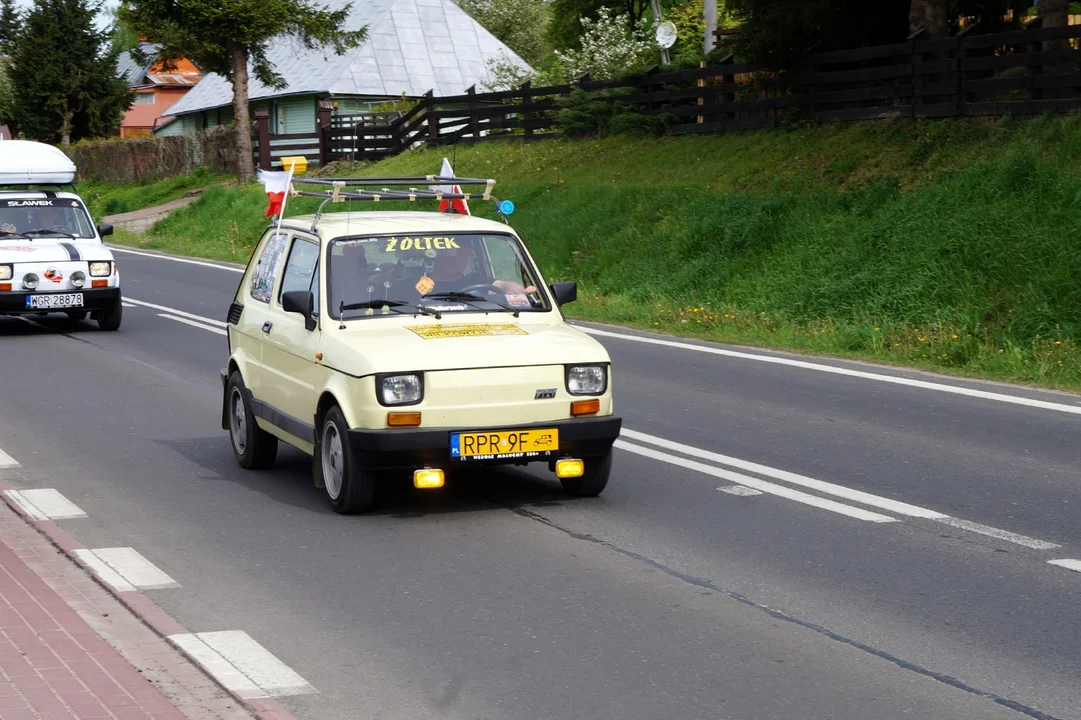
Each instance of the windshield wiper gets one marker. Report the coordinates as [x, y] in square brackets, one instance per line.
[393, 304]
[5, 233]
[40, 231]
[471, 296]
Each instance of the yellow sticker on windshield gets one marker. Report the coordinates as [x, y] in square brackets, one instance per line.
[421, 243]
[450, 330]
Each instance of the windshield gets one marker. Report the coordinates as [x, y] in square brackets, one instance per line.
[436, 272]
[44, 217]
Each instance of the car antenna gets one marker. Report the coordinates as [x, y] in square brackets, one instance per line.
[341, 314]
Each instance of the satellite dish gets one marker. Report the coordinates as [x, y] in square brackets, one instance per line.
[666, 34]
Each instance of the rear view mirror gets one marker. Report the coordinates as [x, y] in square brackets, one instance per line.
[105, 229]
[301, 302]
[564, 292]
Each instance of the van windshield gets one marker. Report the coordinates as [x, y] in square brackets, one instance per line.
[465, 272]
[44, 217]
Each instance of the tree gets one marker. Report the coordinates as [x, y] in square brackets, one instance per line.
[565, 29]
[64, 74]
[606, 49]
[7, 95]
[225, 36]
[519, 24]
[10, 25]
[123, 37]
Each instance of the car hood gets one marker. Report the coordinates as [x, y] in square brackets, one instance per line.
[51, 251]
[454, 343]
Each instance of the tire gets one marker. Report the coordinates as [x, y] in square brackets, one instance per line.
[109, 319]
[253, 447]
[76, 315]
[348, 488]
[593, 482]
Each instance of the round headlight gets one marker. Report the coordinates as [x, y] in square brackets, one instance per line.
[30, 281]
[78, 278]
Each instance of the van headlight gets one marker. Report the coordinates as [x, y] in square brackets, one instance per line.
[101, 269]
[78, 278]
[6, 272]
[30, 281]
[587, 379]
[401, 389]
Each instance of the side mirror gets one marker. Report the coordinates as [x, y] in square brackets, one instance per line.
[105, 229]
[565, 292]
[302, 302]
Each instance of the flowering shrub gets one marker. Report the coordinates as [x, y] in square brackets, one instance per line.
[607, 51]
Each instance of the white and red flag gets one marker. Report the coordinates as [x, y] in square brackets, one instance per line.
[276, 183]
[458, 205]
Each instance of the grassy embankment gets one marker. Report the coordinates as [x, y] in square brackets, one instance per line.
[952, 245]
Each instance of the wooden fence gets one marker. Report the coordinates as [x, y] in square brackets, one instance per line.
[1031, 71]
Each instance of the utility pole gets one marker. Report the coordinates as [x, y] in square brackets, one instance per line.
[665, 59]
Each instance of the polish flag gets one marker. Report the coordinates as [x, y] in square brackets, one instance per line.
[458, 205]
[276, 183]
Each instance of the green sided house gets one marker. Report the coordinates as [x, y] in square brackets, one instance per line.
[413, 47]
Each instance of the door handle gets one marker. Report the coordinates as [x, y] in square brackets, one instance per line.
[267, 325]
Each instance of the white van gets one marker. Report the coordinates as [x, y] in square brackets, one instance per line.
[52, 258]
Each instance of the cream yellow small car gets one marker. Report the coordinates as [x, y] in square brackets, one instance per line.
[411, 343]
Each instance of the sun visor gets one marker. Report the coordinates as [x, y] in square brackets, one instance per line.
[25, 162]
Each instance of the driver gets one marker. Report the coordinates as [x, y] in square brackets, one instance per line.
[44, 218]
[448, 272]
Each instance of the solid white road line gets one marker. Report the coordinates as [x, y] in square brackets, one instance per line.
[243, 665]
[6, 461]
[793, 478]
[181, 313]
[127, 304]
[132, 568]
[740, 490]
[45, 504]
[1074, 565]
[939, 387]
[755, 483]
[173, 258]
[199, 325]
[996, 533]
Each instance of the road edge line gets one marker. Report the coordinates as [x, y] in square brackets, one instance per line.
[143, 608]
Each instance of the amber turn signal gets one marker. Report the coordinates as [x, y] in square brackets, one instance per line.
[585, 407]
[99, 283]
[5, 286]
[403, 419]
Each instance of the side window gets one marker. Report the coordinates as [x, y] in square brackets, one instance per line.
[266, 271]
[315, 290]
[300, 268]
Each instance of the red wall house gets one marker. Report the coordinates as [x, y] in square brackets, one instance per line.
[156, 90]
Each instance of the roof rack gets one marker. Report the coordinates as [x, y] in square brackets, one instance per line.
[338, 191]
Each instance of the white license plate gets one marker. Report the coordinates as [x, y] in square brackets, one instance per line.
[54, 300]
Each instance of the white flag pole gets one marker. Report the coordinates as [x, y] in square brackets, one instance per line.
[285, 198]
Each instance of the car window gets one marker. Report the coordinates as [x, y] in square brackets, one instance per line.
[300, 267]
[39, 215]
[266, 270]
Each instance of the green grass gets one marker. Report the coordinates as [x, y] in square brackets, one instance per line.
[112, 198]
[953, 246]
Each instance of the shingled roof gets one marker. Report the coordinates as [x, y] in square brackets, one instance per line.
[413, 46]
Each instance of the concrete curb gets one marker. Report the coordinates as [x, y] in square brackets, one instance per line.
[145, 609]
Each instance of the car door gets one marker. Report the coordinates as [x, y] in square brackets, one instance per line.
[251, 310]
[292, 376]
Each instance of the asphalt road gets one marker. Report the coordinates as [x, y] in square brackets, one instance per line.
[894, 563]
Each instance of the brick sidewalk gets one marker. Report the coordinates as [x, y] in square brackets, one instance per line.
[69, 649]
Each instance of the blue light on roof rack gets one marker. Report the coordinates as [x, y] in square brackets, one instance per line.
[506, 207]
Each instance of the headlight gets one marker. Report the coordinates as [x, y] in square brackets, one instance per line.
[78, 278]
[30, 281]
[100, 269]
[5, 272]
[400, 389]
[587, 379]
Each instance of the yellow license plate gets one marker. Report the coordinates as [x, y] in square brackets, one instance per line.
[504, 444]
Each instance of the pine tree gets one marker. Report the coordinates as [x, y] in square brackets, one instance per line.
[10, 25]
[64, 74]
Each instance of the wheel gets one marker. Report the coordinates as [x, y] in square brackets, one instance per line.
[253, 447]
[109, 319]
[348, 488]
[76, 314]
[593, 482]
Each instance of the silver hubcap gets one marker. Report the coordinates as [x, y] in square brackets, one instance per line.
[239, 422]
[333, 460]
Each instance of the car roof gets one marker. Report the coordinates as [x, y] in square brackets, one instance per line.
[338, 224]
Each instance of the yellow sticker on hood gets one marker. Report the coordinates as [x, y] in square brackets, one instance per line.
[464, 330]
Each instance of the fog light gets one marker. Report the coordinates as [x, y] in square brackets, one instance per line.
[428, 478]
[403, 419]
[570, 467]
[30, 281]
[585, 407]
[78, 278]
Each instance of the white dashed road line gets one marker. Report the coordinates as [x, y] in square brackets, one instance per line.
[199, 325]
[998, 534]
[741, 490]
[181, 313]
[1074, 565]
[125, 569]
[6, 461]
[45, 504]
[241, 664]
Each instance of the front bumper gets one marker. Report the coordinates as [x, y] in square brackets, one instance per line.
[408, 448]
[14, 302]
